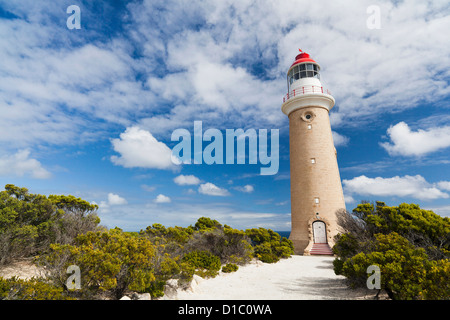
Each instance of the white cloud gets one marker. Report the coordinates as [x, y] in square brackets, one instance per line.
[115, 200]
[445, 185]
[139, 216]
[241, 35]
[148, 188]
[247, 188]
[416, 143]
[230, 57]
[20, 164]
[407, 186]
[59, 90]
[162, 199]
[339, 139]
[138, 148]
[185, 180]
[348, 199]
[212, 190]
[443, 211]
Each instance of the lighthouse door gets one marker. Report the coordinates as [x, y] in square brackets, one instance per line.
[319, 232]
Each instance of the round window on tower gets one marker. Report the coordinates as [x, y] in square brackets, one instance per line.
[308, 116]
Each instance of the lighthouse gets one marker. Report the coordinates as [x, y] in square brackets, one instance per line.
[316, 189]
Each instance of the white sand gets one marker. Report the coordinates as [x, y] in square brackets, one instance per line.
[299, 277]
[296, 278]
[22, 269]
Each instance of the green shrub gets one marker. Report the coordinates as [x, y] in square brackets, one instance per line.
[230, 245]
[406, 271]
[30, 222]
[205, 223]
[268, 245]
[205, 262]
[410, 245]
[33, 289]
[230, 267]
[110, 261]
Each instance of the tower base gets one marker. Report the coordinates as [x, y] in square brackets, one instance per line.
[299, 246]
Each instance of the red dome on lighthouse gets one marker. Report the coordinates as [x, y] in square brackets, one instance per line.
[302, 57]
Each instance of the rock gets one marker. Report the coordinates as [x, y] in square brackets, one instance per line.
[196, 280]
[125, 298]
[170, 289]
[142, 296]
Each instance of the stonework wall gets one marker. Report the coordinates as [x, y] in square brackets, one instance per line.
[310, 138]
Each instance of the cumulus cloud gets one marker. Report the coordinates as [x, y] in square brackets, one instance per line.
[57, 90]
[416, 143]
[242, 36]
[443, 211]
[231, 58]
[339, 139]
[113, 200]
[247, 188]
[212, 190]
[444, 185]
[407, 186]
[160, 198]
[186, 180]
[20, 164]
[138, 148]
[348, 199]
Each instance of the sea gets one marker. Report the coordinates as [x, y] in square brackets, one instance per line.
[284, 233]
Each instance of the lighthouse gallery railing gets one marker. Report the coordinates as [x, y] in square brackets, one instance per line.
[305, 90]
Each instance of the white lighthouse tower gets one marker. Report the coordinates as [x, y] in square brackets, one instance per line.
[316, 190]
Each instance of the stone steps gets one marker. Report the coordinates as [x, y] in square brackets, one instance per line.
[321, 249]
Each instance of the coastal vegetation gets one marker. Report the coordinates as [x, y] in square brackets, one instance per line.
[410, 245]
[58, 232]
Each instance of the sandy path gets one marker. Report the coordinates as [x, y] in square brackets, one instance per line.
[299, 277]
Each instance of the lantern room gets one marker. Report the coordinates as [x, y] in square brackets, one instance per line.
[303, 67]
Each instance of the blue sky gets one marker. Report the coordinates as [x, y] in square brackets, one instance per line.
[90, 112]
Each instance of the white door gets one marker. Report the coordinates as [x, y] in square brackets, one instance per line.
[320, 232]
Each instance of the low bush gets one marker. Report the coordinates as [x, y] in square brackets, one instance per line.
[409, 245]
[268, 245]
[29, 223]
[230, 267]
[230, 245]
[206, 264]
[33, 289]
[111, 261]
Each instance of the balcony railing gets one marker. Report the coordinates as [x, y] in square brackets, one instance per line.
[305, 90]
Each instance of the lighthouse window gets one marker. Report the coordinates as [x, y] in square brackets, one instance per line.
[313, 160]
[301, 71]
[308, 116]
[316, 200]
